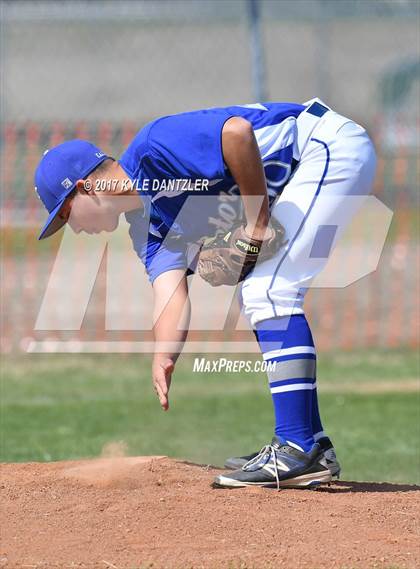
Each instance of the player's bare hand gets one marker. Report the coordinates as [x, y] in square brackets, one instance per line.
[261, 233]
[162, 377]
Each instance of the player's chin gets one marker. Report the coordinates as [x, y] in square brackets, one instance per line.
[111, 225]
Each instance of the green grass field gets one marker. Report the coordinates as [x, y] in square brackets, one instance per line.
[56, 407]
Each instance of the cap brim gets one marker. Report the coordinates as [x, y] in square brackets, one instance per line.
[54, 223]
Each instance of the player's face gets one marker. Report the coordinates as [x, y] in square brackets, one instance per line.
[91, 213]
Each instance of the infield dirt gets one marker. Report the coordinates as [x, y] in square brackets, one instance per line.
[156, 512]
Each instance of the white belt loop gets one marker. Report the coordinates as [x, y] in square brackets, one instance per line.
[307, 104]
[306, 124]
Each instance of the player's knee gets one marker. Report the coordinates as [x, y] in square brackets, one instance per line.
[259, 303]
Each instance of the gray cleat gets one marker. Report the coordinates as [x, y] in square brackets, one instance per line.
[279, 465]
[329, 459]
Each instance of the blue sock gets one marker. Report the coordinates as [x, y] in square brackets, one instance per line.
[288, 342]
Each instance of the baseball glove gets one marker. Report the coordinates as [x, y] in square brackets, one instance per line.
[228, 259]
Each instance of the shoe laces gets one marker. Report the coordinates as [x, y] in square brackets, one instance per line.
[271, 452]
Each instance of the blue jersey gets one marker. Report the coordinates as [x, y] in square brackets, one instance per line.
[176, 163]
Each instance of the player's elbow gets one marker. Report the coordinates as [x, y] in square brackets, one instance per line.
[237, 129]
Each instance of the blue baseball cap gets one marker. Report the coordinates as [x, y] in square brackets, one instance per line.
[57, 174]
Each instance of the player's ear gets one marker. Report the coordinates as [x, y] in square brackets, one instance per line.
[83, 186]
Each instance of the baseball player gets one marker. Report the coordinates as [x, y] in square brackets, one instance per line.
[287, 172]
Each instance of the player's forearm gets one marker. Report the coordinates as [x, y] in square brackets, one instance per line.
[242, 157]
[169, 341]
[171, 315]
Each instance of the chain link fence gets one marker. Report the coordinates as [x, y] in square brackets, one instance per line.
[101, 70]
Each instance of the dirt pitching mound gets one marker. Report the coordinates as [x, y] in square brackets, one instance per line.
[142, 512]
